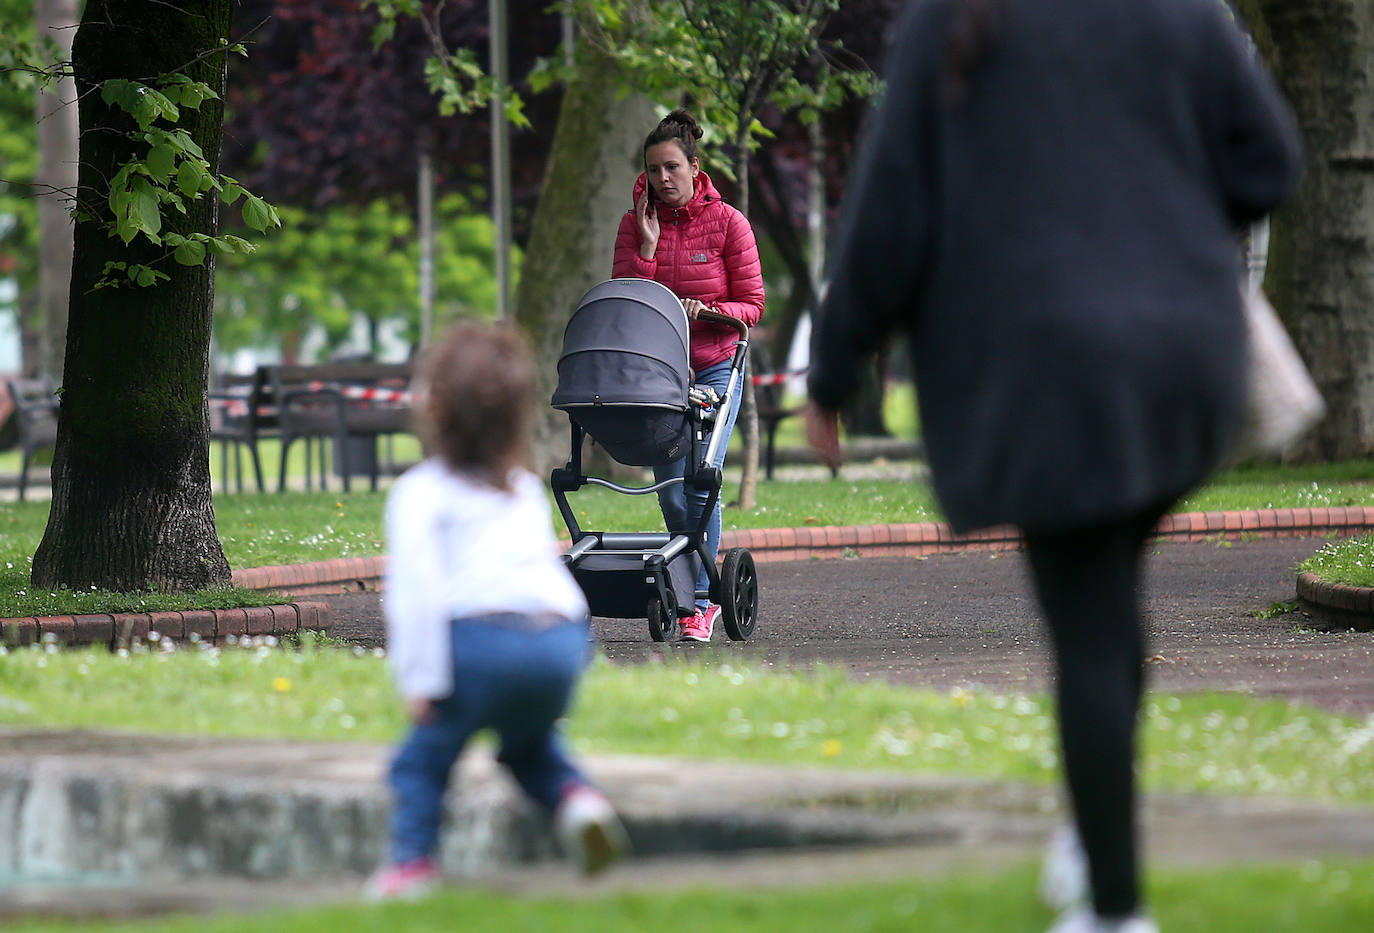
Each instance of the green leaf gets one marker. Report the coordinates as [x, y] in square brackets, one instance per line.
[160, 162]
[230, 193]
[143, 209]
[190, 176]
[118, 92]
[146, 277]
[193, 95]
[187, 145]
[190, 253]
[256, 213]
[235, 244]
[383, 33]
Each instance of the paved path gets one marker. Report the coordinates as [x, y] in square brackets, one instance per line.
[969, 618]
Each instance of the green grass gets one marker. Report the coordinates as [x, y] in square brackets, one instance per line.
[264, 529]
[1317, 896]
[1349, 561]
[1226, 743]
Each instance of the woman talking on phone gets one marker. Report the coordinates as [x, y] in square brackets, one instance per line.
[681, 234]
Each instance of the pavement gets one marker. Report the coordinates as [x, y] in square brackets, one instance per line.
[102, 824]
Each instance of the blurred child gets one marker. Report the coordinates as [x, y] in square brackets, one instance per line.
[486, 629]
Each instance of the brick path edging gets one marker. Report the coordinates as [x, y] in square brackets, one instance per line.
[209, 625]
[1337, 603]
[917, 539]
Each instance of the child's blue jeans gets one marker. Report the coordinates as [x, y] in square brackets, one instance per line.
[507, 677]
[683, 504]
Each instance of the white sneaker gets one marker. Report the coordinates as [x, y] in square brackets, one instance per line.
[1083, 920]
[589, 830]
[1064, 876]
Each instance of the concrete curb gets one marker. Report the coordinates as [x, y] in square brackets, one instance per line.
[145, 807]
[342, 574]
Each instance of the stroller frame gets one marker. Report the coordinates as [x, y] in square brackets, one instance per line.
[657, 558]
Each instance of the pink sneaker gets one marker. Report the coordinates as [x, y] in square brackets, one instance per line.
[700, 626]
[406, 881]
[589, 830]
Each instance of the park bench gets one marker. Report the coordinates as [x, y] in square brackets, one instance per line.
[352, 403]
[35, 417]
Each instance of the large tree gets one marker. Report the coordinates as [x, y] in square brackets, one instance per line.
[1321, 266]
[131, 484]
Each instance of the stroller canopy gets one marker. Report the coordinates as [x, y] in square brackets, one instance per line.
[626, 344]
[623, 373]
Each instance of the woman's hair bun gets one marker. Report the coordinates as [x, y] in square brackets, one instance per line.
[685, 120]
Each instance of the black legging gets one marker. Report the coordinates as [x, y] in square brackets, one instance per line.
[1087, 580]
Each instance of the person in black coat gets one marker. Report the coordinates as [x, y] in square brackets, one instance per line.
[1047, 204]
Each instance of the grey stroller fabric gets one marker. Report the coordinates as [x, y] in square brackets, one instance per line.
[623, 374]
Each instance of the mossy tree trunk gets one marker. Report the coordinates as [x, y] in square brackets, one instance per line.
[131, 502]
[1321, 253]
[592, 166]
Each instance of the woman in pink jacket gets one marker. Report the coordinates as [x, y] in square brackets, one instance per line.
[682, 235]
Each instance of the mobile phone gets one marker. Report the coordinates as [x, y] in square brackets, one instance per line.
[649, 188]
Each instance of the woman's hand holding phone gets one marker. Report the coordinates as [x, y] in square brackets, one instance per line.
[647, 216]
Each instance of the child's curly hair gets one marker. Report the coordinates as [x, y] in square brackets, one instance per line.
[476, 398]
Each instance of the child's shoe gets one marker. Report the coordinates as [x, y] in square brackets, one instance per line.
[404, 881]
[589, 830]
[1083, 920]
[1064, 877]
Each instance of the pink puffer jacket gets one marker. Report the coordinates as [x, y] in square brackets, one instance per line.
[706, 251]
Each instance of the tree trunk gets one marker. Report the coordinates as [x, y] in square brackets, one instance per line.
[592, 166]
[131, 502]
[748, 420]
[1321, 259]
[54, 184]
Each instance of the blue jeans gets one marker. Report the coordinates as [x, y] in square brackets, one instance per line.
[517, 681]
[683, 504]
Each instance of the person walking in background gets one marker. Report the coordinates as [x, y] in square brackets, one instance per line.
[486, 629]
[681, 234]
[1047, 203]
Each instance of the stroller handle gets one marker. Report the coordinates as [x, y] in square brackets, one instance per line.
[718, 318]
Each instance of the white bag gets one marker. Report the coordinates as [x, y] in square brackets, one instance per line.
[1281, 400]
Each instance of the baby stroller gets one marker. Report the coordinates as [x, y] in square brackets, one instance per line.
[623, 380]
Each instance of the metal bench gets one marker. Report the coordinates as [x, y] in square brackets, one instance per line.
[241, 414]
[35, 415]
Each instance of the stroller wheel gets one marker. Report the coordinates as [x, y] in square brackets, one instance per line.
[739, 593]
[662, 624]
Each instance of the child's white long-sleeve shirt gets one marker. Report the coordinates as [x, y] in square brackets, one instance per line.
[457, 548]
